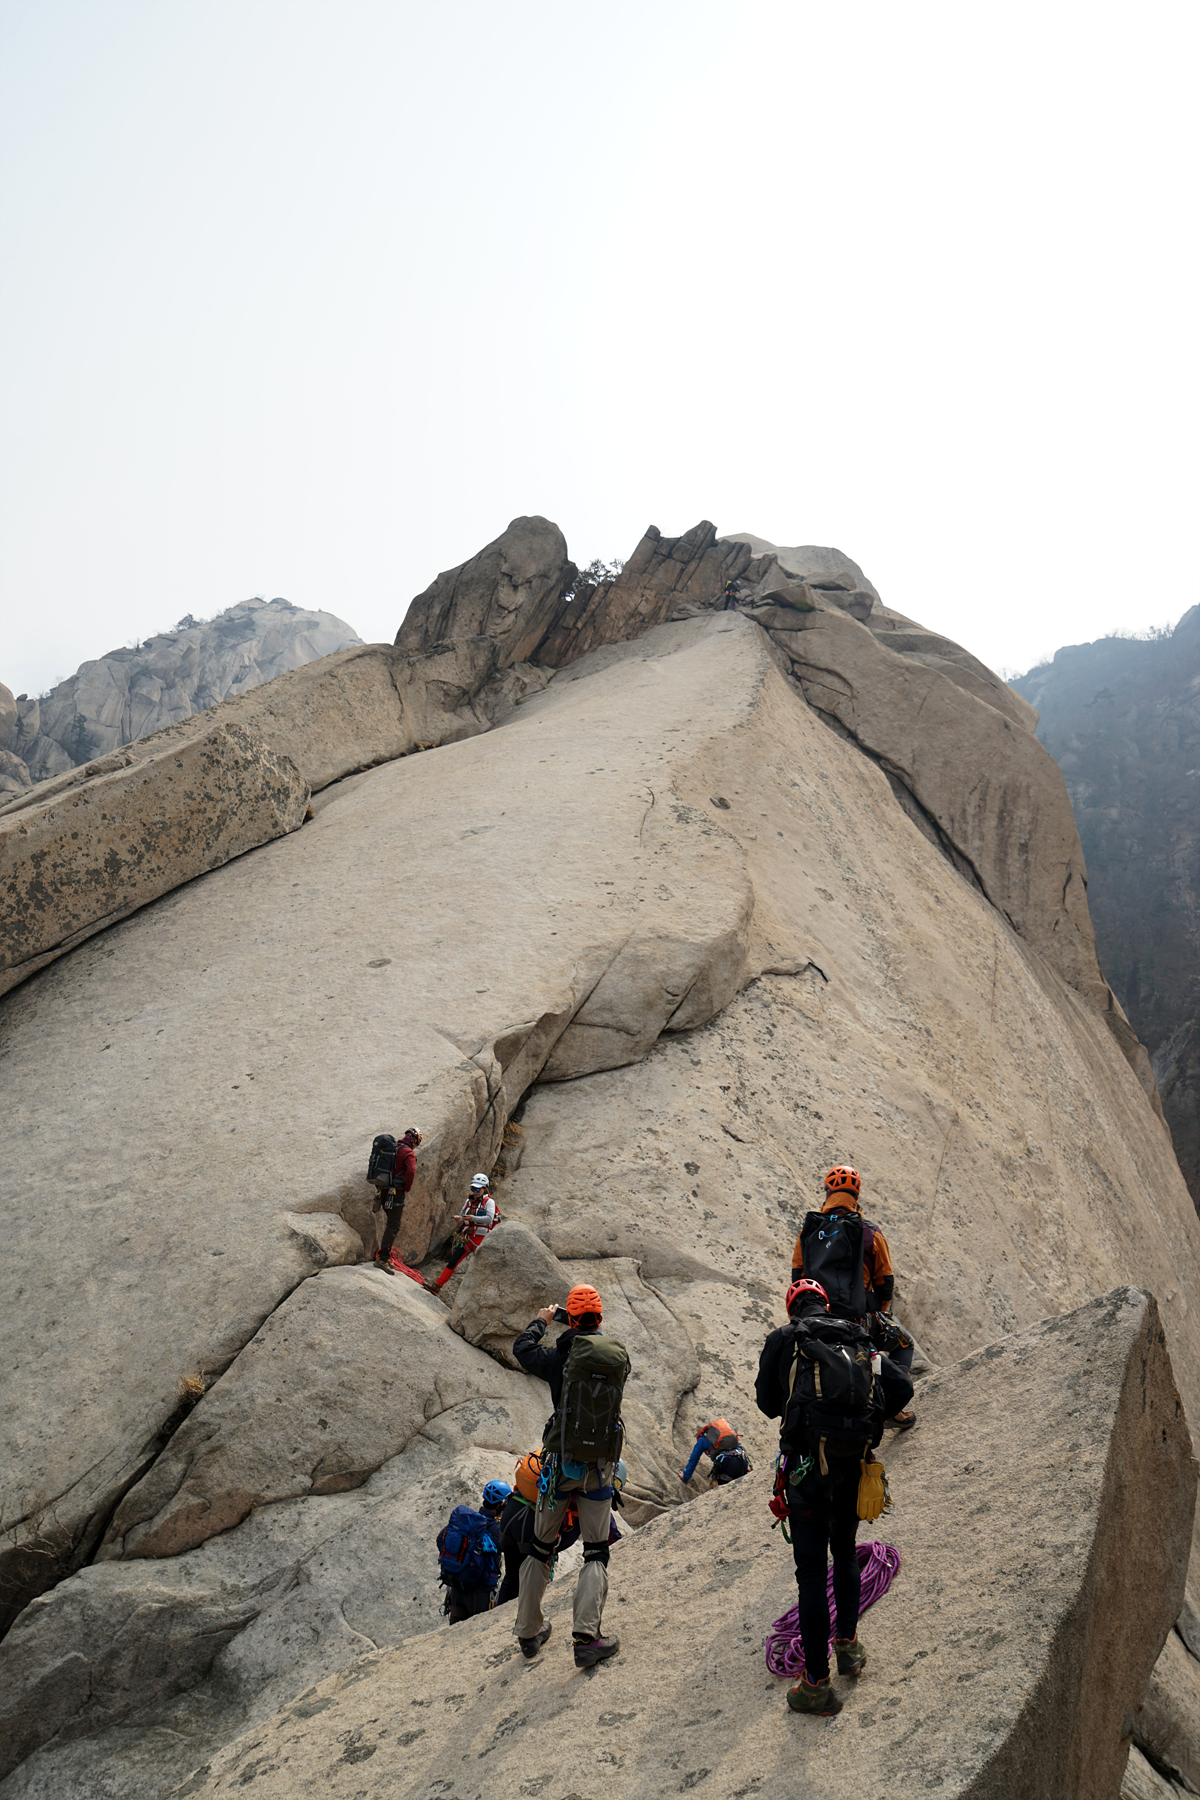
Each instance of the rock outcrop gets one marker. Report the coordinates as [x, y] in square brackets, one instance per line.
[708, 941]
[94, 844]
[1121, 717]
[1028, 1589]
[135, 691]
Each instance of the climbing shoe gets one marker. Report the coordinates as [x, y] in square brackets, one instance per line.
[531, 1646]
[851, 1657]
[590, 1651]
[814, 1697]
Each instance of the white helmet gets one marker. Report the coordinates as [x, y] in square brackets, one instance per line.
[479, 1184]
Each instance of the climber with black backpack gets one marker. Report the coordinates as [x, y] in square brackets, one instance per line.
[469, 1554]
[848, 1254]
[581, 1447]
[818, 1375]
[719, 1441]
[392, 1171]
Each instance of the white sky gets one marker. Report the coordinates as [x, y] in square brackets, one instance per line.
[310, 297]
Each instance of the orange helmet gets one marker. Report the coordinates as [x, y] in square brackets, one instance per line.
[843, 1179]
[583, 1299]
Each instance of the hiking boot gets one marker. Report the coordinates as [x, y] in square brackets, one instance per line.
[851, 1657]
[531, 1646]
[814, 1697]
[590, 1651]
[431, 1287]
[902, 1421]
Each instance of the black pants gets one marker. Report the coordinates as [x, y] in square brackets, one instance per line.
[897, 1387]
[823, 1515]
[393, 1212]
[465, 1602]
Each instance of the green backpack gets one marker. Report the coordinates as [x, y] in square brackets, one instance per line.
[587, 1427]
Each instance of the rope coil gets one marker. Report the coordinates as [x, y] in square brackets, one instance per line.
[878, 1565]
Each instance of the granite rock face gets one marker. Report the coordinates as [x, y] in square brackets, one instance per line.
[1038, 1624]
[94, 844]
[1121, 717]
[133, 692]
[668, 879]
[509, 592]
[94, 853]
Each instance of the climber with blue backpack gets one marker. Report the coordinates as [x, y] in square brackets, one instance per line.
[581, 1447]
[469, 1554]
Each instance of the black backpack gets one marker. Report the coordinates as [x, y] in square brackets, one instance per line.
[834, 1407]
[382, 1165]
[730, 1465]
[832, 1246]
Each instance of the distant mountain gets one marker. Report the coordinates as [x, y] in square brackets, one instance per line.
[1121, 717]
[133, 691]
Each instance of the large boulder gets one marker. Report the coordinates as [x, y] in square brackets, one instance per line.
[1030, 1605]
[510, 591]
[337, 1381]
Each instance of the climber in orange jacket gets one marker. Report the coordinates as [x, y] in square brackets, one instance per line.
[860, 1285]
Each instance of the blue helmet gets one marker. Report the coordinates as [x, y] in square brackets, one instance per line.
[620, 1475]
[496, 1493]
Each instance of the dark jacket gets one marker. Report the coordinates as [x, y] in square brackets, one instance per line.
[546, 1361]
[775, 1368]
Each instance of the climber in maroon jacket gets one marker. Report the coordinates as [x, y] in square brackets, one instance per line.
[404, 1173]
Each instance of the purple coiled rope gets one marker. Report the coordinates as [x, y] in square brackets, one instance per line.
[877, 1565]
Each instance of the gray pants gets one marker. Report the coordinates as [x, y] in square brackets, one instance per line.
[592, 1585]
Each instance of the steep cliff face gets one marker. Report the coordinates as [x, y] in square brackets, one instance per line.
[132, 692]
[709, 908]
[1121, 717]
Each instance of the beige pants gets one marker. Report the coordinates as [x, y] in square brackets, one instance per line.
[592, 1585]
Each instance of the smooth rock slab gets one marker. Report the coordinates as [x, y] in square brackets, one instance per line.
[1006, 1659]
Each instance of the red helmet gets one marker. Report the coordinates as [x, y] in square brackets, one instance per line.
[802, 1290]
[843, 1179]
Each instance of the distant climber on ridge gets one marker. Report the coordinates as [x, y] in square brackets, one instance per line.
[586, 1373]
[404, 1173]
[721, 1442]
[849, 1256]
[477, 1218]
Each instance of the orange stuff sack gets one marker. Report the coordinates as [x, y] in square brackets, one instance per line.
[527, 1474]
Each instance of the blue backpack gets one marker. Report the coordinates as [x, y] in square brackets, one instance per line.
[468, 1550]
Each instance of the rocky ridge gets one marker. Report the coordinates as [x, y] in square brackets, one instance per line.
[751, 952]
[134, 691]
[1121, 717]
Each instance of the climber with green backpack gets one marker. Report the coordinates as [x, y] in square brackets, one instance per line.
[586, 1371]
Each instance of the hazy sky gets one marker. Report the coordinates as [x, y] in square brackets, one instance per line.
[310, 297]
